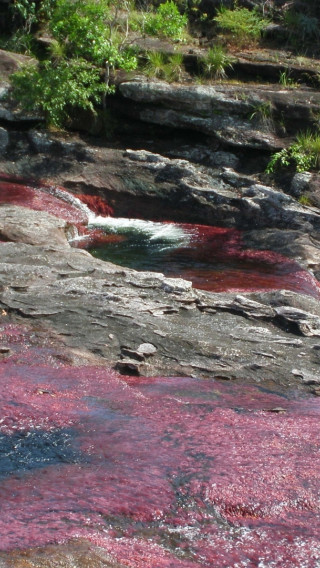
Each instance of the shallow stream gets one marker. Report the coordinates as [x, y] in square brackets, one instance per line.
[160, 472]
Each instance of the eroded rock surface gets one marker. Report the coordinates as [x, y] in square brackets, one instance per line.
[235, 115]
[113, 312]
[19, 224]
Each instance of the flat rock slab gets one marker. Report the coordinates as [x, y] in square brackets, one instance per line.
[237, 115]
[19, 224]
[145, 323]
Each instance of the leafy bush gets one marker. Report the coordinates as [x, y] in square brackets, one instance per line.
[19, 42]
[25, 11]
[216, 62]
[244, 24]
[57, 89]
[303, 154]
[167, 22]
[87, 37]
[88, 30]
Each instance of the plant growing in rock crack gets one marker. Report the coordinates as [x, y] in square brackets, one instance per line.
[305, 200]
[162, 66]
[174, 68]
[155, 66]
[303, 154]
[285, 80]
[216, 62]
[262, 112]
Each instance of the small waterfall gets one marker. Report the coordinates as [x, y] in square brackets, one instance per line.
[167, 234]
[67, 197]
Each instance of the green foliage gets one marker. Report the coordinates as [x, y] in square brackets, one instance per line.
[161, 66]
[303, 154]
[137, 20]
[28, 13]
[263, 113]
[25, 11]
[57, 89]
[216, 62]
[155, 66]
[87, 35]
[285, 80]
[301, 27]
[174, 67]
[167, 22]
[88, 30]
[305, 200]
[245, 25]
[20, 42]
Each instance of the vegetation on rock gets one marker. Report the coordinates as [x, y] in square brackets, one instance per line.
[161, 66]
[243, 24]
[216, 63]
[89, 40]
[303, 154]
[167, 22]
[57, 89]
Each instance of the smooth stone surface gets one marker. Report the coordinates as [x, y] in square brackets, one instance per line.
[19, 224]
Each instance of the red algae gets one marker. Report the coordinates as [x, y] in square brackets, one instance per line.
[161, 472]
[216, 259]
[41, 197]
[97, 204]
[238, 268]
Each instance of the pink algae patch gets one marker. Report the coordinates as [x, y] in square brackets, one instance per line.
[171, 472]
[41, 197]
[238, 268]
[96, 204]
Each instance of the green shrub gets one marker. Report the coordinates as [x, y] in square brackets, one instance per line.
[167, 22]
[215, 63]
[244, 24]
[57, 89]
[303, 154]
[19, 42]
[89, 31]
[25, 12]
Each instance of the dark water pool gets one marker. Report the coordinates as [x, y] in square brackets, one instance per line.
[213, 258]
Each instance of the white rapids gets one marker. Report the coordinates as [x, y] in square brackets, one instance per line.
[166, 233]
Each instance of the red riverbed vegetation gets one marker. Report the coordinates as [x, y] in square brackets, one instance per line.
[160, 472]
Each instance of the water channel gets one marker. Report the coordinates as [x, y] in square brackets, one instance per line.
[164, 472]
